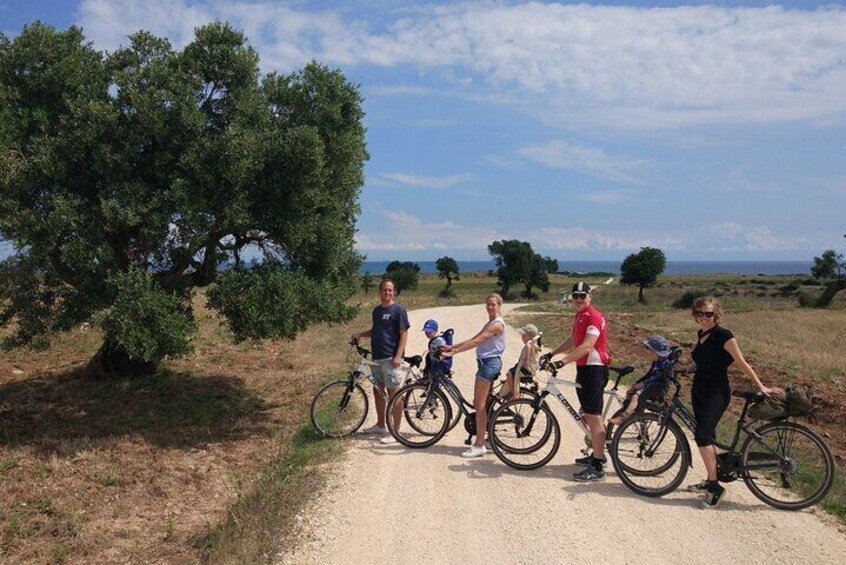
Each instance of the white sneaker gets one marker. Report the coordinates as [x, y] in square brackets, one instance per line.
[388, 440]
[375, 429]
[475, 451]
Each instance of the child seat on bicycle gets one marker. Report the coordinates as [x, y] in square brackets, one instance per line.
[653, 385]
[435, 364]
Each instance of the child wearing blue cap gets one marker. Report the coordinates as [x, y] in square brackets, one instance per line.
[654, 383]
[436, 341]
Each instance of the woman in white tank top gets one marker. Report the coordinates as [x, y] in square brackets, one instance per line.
[490, 345]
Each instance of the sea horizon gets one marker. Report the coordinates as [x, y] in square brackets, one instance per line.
[800, 268]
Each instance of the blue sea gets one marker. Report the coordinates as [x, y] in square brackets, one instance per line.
[802, 268]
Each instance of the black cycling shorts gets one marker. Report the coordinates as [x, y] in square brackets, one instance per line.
[708, 408]
[592, 379]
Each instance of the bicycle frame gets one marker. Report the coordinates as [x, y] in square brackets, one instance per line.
[364, 370]
[552, 388]
[676, 406]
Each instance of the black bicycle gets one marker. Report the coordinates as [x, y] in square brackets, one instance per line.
[784, 464]
[340, 407]
[433, 406]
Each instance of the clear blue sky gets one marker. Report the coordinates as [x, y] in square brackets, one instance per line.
[711, 130]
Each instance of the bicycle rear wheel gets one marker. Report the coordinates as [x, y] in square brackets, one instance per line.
[790, 467]
[436, 409]
[520, 433]
[339, 408]
[426, 411]
[651, 457]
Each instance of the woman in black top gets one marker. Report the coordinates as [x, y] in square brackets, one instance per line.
[716, 349]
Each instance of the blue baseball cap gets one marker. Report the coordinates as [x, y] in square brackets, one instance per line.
[430, 326]
[658, 344]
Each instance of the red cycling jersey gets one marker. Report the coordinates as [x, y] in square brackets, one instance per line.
[590, 321]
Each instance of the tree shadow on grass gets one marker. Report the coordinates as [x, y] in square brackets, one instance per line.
[168, 409]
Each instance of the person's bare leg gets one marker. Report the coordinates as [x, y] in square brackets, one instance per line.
[480, 398]
[381, 404]
[597, 434]
[396, 410]
[709, 458]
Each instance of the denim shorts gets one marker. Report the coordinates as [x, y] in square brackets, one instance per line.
[489, 368]
[385, 372]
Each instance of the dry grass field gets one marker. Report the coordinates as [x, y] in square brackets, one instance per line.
[210, 459]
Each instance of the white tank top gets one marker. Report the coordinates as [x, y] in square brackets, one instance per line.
[495, 346]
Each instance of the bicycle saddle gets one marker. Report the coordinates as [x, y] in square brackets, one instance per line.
[622, 370]
[413, 361]
[753, 395]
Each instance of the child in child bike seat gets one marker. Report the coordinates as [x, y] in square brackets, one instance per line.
[435, 365]
[653, 385]
[527, 364]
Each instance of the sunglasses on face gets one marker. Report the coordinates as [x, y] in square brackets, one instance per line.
[701, 314]
[579, 295]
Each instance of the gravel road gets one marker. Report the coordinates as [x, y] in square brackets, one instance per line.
[391, 505]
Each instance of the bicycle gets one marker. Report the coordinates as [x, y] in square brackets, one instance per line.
[784, 464]
[340, 407]
[428, 409]
[522, 428]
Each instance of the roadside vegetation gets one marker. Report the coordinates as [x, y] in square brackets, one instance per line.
[211, 458]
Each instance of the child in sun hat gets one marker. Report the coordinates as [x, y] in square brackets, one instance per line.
[654, 383]
[527, 364]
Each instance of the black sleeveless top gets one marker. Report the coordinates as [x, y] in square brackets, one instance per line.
[712, 359]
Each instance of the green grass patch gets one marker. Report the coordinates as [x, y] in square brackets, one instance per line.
[253, 531]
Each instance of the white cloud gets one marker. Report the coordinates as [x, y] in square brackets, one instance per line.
[401, 231]
[731, 236]
[580, 238]
[437, 183]
[586, 160]
[606, 197]
[612, 66]
[404, 232]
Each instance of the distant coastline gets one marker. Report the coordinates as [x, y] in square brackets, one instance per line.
[801, 268]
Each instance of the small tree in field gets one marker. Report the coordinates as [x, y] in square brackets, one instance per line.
[642, 269]
[367, 282]
[447, 269]
[405, 275]
[829, 266]
[517, 263]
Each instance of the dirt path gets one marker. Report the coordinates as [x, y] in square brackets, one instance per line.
[387, 504]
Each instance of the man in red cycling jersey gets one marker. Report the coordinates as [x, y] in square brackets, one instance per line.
[588, 347]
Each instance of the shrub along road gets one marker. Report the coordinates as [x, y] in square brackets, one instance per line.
[387, 504]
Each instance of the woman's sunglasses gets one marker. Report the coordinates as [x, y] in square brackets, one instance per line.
[701, 314]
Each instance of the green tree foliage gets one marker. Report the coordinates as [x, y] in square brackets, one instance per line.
[447, 269]
[170, 164]
[642, 269]
[517, 263]
[405, 275]
[367, 282]
[276, 302]
[829, 266]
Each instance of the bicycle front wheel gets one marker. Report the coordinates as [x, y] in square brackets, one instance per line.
[523, 435]
[426, 411]
[339, 408]
[651, 457]
[789, 467]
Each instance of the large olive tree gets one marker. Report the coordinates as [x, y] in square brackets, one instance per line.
[128, 179]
